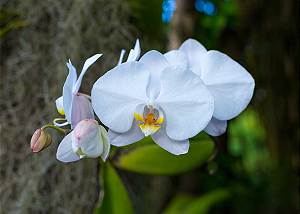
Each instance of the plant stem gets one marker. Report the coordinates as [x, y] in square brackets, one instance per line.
[64, 131]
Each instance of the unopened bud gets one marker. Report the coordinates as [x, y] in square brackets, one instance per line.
[40, 140]
[87, 139]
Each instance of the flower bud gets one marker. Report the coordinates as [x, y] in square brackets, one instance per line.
[40, 140]
[86, 139]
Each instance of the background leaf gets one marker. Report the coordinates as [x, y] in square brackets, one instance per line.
[203, 204]
[151, 159]
[116, 199]
[178, 203]
[183, 203]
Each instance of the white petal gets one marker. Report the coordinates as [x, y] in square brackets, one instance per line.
[123, 139]
[194, 50]
[121, 56]
[117, 93]
[187, 104]
[65, 152]
[106, 143]
[156, 63]
[216, 127]
[60, 105]
[81, 109]
[177, 59]
[230, 84]
[86, 65]
[67, 90]
[72, 76]
[134, 54]
[173, 146]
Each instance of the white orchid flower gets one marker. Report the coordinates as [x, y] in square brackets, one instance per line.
[87, 140]
[150, 97]
[133, 55]
[229, 83]
[74, 105]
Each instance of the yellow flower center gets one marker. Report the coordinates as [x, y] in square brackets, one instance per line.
[150, 122]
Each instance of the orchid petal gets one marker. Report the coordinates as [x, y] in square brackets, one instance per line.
[81, 109]
[230, 84]
[156, 63]
[116, 95]
[123, 139]
[187, 104]
[68, 90]
[121, 56]
[86, 65]
[106, 144]
[177, 59]
[65, 152]
[72, 76]
[173, 146]
[194, 51]
[134, 54]
[60, 105]
[216, 127]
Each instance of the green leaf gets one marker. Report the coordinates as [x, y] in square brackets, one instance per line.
[187, 204]
[178, 204]
[116, 199]
[151, 159]
[203, 204]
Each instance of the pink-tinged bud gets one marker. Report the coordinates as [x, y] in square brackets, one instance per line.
[86, 139]
[40, 140]
[81, 109]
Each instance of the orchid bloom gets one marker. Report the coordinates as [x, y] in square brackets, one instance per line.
[74, 105]
[133, 55]
[229, 83]
[150, 97]
[87, 140]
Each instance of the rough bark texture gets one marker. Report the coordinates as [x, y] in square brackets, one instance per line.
[33, 71]
[182, 24]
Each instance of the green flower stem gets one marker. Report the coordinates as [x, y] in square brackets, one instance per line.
[64, 131]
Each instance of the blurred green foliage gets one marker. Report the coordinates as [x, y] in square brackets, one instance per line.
[10, 20]
[151, 159]
[115, 197]
[205, 202]
[209, 28]
[247, 141]
[147, 17]
[178, 204]
[188, 204]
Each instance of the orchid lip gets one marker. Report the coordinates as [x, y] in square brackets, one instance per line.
[151, 120]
